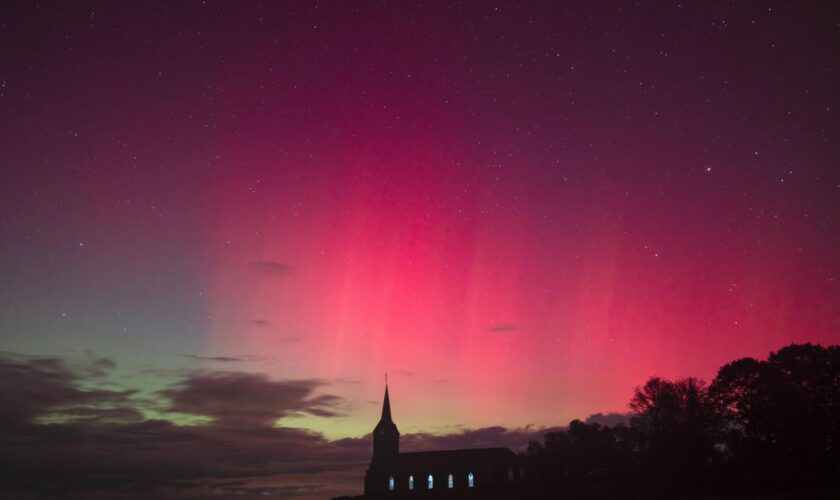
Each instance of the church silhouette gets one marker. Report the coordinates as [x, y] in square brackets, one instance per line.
[466, 473]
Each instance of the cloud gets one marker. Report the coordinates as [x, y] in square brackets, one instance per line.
[103, 447]
[260, 322]
[608, 419]
[156, 459]
[223, 359]
[248, 398]
[272, 267]
[249, 358]
[32, 387]
[93, 366]
[503, 327]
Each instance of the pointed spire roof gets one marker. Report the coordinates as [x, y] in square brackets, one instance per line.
[385, 422]
[386, 407]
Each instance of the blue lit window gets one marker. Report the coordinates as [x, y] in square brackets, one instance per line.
[450, 481]
[470, 480]
[391, 483]
[411, 482]
[431, 482]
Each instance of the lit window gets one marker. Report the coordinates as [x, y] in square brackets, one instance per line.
[391, 483]
[411, 482]
[450, 481]
[470, 480]
[431, 482]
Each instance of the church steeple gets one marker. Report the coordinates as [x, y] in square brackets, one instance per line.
[386, 407]
[386, 436]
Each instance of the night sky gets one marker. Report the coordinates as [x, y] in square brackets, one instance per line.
[519, 212]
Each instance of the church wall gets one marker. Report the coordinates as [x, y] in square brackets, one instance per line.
[484, 476]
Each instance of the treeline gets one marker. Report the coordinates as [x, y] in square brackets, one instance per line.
[766, 428]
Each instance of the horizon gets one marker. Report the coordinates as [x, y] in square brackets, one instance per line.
[60, 411]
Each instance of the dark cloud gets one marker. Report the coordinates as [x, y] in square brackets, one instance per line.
[250, 358]
[102, 447]
[93, 366]
[247, 398]
[260, 322]
[222, 359]
[156, 459]
[272, 267]
[503, 327]
[32, 387]
[608, 419]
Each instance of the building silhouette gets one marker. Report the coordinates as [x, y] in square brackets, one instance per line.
[467, 473]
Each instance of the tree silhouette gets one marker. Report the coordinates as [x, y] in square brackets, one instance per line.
[783, 413]
[762, 427]
[676, 428]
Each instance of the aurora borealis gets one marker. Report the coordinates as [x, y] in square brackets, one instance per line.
[519, 212]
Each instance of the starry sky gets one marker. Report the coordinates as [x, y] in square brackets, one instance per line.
[519, 212]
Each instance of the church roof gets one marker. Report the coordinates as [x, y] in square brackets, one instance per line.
[474, 456]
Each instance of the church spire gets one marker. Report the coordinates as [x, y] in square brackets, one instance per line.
[386, 406]
[386, 436]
